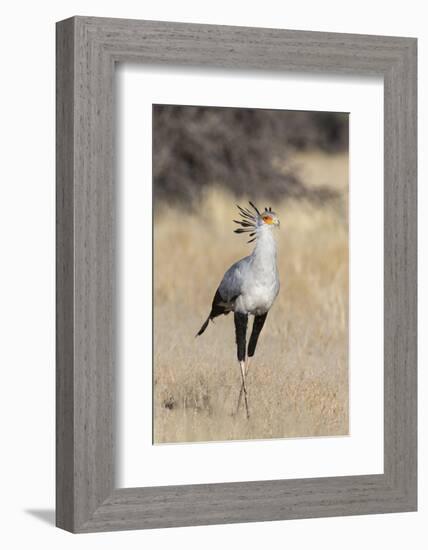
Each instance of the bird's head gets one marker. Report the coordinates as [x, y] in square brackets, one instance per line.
[268, 217]
[253, 220]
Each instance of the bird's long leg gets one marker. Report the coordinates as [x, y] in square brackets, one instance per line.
[241, 321]
[259, 321]
[241, 391]
[242, 365]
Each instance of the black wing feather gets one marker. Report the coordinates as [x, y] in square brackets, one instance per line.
[218, 307]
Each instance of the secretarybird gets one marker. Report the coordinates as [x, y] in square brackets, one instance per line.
[249, 286]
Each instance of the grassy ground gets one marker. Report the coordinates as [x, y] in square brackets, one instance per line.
[298, 382]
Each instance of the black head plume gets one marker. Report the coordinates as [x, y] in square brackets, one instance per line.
[248, 223]
[244, 223]
[245, 213]
[255, 208]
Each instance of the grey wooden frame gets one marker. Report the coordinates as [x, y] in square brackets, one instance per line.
[87, 50]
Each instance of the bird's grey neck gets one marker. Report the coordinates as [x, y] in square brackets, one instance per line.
[265, 249]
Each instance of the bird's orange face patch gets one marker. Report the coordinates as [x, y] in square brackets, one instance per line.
[268, 220]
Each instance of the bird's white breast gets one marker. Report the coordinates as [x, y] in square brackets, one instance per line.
[258, 292]
[254, 280]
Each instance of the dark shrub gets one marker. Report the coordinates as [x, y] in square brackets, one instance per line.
[244, 150]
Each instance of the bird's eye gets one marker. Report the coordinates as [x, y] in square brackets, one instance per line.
[267, 219]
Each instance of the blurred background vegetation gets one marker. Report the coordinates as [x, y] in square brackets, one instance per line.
[244, 150]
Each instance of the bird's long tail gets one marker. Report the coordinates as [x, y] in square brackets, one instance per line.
[204, 326]
[219, 307]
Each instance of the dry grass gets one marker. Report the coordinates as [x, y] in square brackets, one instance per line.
[298, 382]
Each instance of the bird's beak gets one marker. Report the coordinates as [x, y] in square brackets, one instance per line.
[278, 224]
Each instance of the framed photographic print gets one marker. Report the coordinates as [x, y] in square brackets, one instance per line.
[236, 274]
[226, 154]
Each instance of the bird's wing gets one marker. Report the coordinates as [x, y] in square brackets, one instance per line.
[231, 285]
